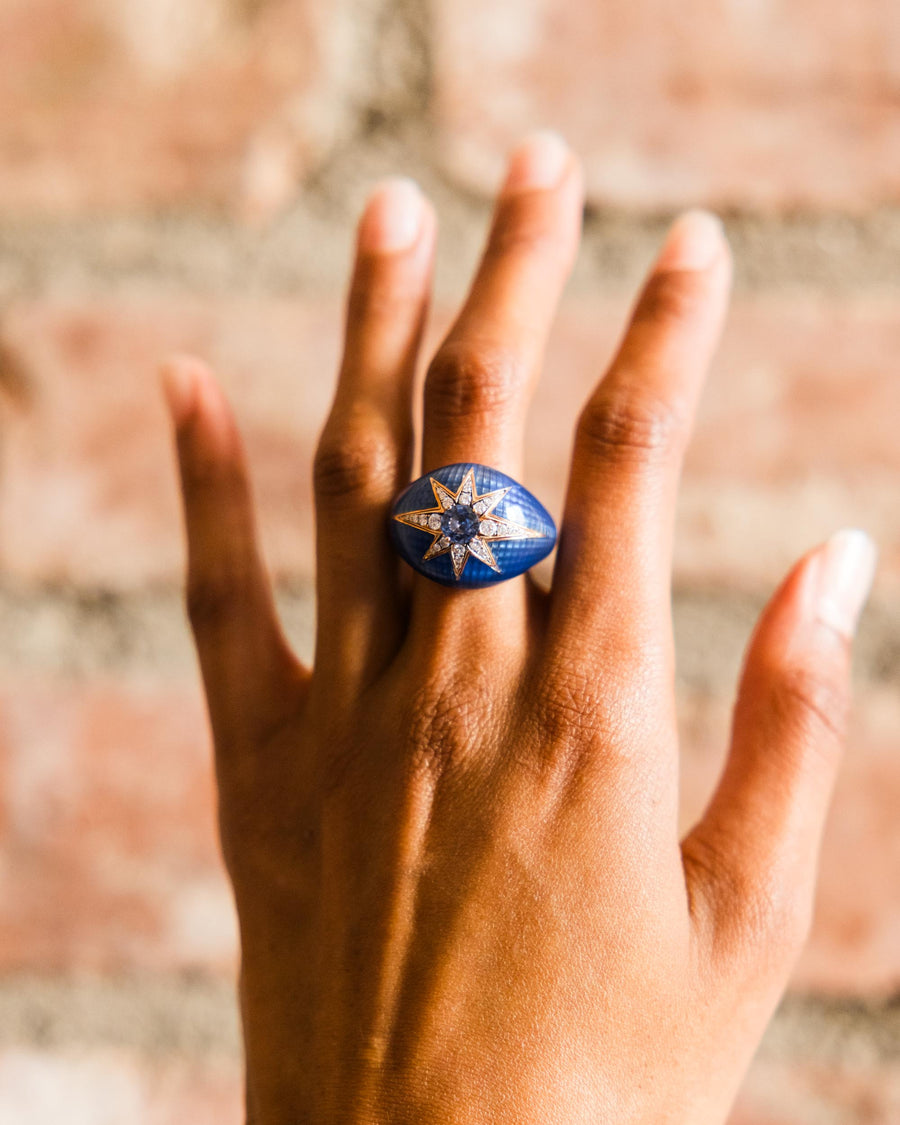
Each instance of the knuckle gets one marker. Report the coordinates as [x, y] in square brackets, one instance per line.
[444, 724]
[562, 742]
[622, 426]
[574, 725]
[758, 921]
[671, 298]
[527, 236]
[774, 923]
[437, 730]
[380, 291]
[811, 707]
[212, 599]
[204, 472]
[563, 705]
[357, 461]
[569, 702]
[788, 921]
[468, 381]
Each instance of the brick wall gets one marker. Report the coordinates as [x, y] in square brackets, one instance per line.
[185, 174]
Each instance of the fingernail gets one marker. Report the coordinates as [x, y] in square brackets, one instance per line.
[179, 382]
[846, 570]
[537, 163]
[392, 219]
[694, 241]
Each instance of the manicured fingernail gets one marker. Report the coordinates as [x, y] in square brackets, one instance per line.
[392, 219]
[179, 375]
[846, 570]
[537, 163]
[694, 241]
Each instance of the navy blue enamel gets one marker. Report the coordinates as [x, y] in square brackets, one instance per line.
[473, 527]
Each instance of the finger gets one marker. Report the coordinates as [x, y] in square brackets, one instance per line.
[751, 860]
[477, 387]
[479, 382]
[612, 576]
[365, 451]
[249, 673]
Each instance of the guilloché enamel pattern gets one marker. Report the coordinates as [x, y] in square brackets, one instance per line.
[465, 524]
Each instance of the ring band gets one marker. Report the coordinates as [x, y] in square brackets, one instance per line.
[470, 525]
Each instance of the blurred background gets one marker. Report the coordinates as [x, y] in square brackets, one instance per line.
[186, 174]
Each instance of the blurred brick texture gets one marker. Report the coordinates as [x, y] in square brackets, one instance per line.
[185, 175]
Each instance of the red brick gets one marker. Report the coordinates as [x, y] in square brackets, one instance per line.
[110, 860]
[842, 1092]
[108, 1087]
[854, 947]
[149, 104]
[104, 1086]
[796, 435]
[748, 105]
[109, 856]
[89, 490]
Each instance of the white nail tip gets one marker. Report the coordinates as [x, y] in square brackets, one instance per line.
[393, 216]
[846, 571]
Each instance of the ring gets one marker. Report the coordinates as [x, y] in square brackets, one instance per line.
[470, 525]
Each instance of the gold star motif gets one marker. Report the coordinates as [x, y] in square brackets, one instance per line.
[490, 526]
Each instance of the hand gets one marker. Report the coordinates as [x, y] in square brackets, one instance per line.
[453, 843]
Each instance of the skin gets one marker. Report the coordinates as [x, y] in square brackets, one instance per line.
[453, 842]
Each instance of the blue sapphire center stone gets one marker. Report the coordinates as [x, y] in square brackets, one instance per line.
[460, 523]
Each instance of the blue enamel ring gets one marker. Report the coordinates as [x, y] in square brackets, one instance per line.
[470, 525]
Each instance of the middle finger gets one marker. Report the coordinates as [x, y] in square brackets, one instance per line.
[477, 387]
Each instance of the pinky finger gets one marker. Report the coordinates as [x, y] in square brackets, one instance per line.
[245, 661]
[755, 851]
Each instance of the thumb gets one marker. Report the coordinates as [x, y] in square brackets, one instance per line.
[757, 845]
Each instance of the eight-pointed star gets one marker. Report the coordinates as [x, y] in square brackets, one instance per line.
[463, 523]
